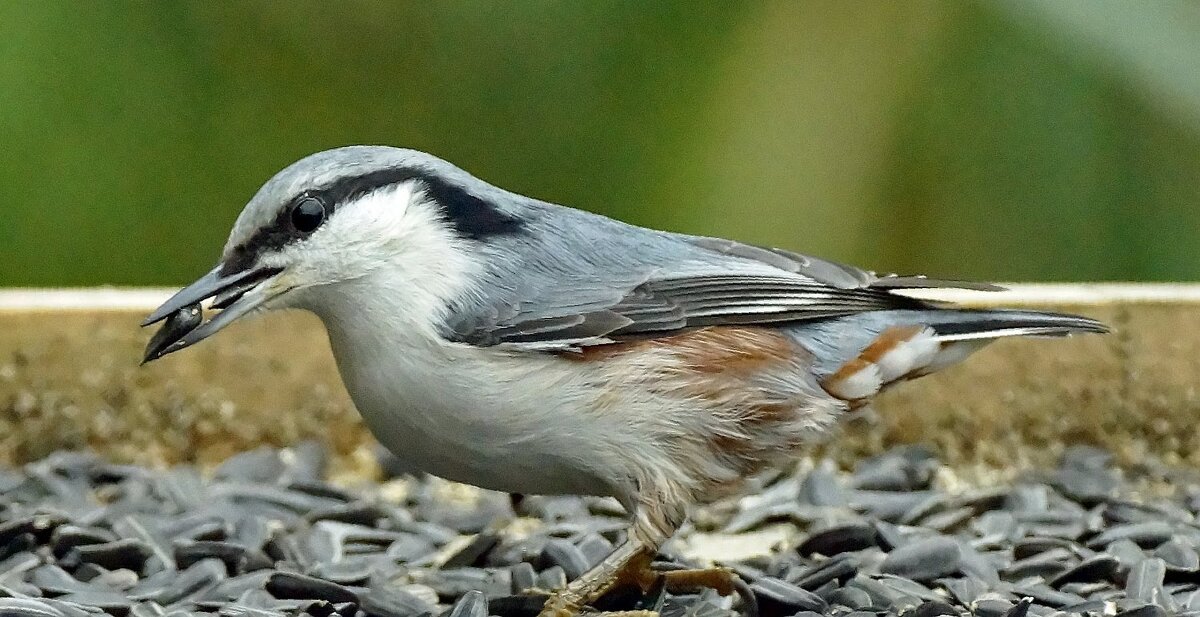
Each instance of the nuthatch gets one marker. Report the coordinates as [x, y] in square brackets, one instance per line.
[518, 345]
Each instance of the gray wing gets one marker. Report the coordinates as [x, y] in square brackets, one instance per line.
[700, 282]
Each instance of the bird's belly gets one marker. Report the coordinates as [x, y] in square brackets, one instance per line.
[480, 435]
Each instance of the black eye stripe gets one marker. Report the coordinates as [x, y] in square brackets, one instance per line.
[470, 216]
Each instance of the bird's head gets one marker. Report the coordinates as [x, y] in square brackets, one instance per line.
[335, 217]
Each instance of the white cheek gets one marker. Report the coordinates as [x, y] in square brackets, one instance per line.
[358, 238]
[392, 238]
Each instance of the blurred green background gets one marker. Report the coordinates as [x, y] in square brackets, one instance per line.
[1021, 140]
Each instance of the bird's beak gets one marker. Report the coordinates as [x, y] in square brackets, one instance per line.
[235, 294]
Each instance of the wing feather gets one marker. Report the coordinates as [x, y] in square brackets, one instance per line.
[719, 282]
[682, 303]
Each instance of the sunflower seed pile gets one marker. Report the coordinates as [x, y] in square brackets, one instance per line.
[266, 535]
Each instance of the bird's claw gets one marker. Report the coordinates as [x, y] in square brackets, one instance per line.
[560, 604]
[719, 579]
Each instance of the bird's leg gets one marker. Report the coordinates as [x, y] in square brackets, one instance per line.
[622, 566]
[654, 522]
[630, 564]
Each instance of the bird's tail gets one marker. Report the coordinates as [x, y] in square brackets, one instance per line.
[858, 355]
[988, 324]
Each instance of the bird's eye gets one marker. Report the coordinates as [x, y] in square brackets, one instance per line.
[308, 214]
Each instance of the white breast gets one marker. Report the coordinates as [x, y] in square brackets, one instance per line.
[475, 415]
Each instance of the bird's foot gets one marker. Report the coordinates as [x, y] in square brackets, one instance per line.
[562, 603]
[559, 606]
[556, 608]
[721, 580]
[570, 603]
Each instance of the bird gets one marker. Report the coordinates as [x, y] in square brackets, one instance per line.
[518, 345]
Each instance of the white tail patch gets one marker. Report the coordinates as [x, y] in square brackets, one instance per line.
[895, 354]
[908, 356]
[864, 382]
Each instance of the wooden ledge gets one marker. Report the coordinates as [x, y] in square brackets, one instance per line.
[1015, 294]
[69, 377]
